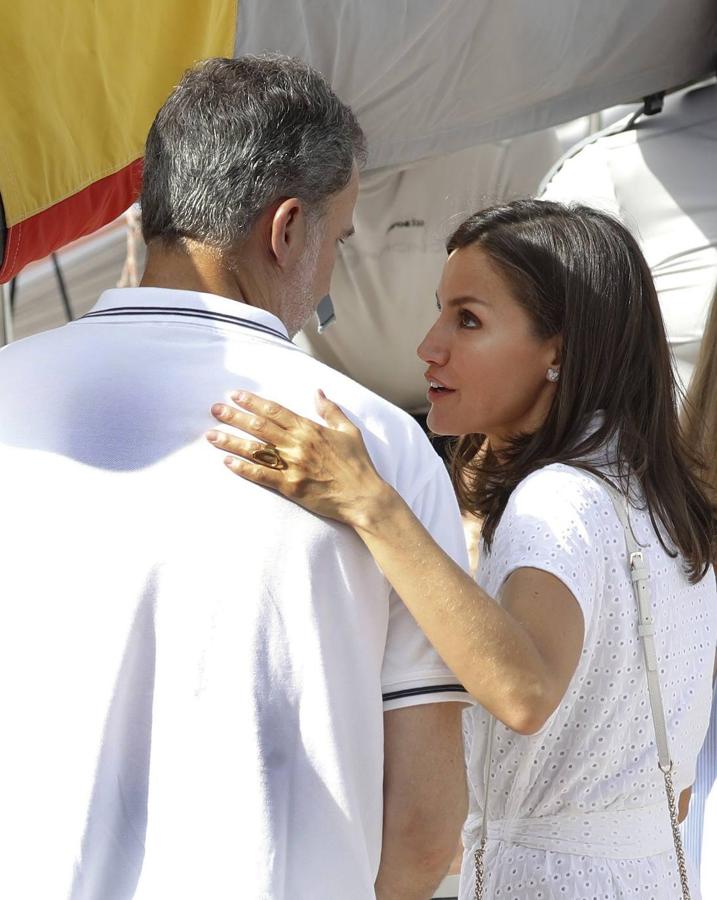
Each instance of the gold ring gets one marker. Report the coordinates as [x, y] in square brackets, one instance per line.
[269, 457]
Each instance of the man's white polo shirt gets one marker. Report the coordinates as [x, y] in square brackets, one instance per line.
[194, 670]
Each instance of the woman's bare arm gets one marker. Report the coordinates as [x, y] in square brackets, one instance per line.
[516, 659]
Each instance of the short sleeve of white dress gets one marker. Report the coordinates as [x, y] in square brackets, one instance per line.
[551, 522]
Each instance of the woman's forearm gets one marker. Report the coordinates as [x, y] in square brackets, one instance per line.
[511, 663]
[491, 653]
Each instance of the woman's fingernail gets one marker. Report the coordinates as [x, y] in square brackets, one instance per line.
[240, 396]
[212, 436]
[219, 410]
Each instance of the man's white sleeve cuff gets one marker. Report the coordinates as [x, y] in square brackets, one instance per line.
[418, 693]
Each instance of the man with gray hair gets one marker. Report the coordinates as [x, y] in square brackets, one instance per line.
[209, 693]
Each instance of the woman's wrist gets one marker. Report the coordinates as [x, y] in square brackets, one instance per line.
[377, 509]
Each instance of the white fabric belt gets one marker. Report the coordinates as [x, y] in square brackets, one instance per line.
[614, 834]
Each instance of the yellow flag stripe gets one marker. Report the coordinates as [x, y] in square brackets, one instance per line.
[82, 82]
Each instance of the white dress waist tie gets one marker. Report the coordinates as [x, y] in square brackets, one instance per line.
[612, 834]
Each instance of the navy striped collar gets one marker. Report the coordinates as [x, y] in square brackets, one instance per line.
[172, 305]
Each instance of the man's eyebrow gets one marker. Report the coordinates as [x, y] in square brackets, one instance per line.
[456, 301]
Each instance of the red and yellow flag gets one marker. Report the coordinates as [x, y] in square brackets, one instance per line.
[82, 82]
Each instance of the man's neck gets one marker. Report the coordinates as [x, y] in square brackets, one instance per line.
[179, 269]
[198, 268]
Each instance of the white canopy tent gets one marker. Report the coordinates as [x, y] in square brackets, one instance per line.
[428, 78]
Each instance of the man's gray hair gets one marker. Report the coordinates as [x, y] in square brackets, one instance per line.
[236, 135]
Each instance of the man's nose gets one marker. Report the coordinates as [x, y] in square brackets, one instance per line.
[432, 349]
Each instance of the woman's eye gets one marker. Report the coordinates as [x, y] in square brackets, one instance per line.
[468, 320]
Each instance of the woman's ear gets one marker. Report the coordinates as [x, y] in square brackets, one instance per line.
[557, 350]
[288, 232]
[554, 355]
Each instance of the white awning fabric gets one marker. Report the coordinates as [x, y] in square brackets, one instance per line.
[429, 78]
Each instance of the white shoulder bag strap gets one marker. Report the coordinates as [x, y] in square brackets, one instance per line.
[640, 577]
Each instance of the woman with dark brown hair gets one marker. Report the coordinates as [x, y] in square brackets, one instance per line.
[549, 359]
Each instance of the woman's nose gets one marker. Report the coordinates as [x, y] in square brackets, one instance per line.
[432, 349]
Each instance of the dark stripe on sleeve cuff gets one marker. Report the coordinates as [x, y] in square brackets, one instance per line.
[426, 689]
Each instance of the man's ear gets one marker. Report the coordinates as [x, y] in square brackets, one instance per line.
[288, 232]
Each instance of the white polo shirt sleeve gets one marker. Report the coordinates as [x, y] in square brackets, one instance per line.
[413, 673]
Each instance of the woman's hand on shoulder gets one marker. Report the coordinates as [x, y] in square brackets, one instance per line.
[325, 469]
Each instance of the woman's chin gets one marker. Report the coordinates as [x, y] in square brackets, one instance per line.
[441, 425]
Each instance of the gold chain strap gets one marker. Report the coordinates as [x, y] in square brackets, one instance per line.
[480, 872]
[676, 836]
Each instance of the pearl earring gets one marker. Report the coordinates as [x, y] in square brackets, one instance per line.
[553, 374]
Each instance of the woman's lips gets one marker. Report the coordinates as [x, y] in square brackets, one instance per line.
[436, 394]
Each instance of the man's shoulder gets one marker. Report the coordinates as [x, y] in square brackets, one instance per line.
[360, 401]
[397, 443]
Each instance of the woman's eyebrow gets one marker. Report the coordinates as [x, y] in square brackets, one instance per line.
[456, 301]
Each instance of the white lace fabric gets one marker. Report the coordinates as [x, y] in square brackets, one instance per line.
[578, 810]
